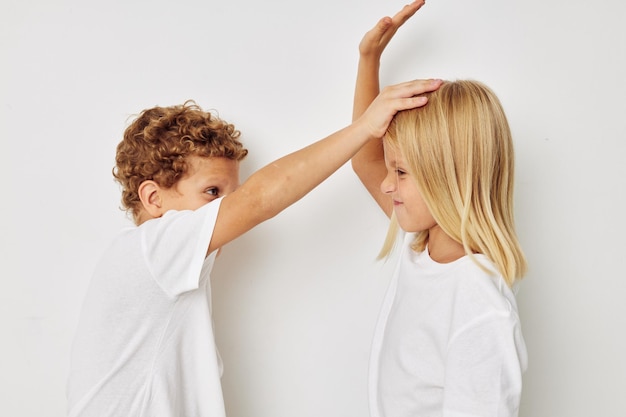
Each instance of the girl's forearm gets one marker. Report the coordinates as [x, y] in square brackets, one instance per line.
[369, 162]
[367, 85]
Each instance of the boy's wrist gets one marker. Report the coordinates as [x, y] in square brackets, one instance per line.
[364, 129]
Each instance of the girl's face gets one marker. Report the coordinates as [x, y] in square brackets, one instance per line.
[411, 211]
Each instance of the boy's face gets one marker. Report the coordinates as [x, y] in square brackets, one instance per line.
[208, 178]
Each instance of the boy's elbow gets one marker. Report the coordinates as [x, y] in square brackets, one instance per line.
[261, 203]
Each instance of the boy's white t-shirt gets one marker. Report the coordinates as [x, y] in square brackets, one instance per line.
[144, 344]
[448, 342]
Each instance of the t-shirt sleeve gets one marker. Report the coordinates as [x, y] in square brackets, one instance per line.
[484, 369]
[175, 246]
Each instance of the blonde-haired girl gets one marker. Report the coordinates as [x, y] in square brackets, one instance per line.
[448, 341]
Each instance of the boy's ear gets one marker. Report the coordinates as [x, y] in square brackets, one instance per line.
[151, 199]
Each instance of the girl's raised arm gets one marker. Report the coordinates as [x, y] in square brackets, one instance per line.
[369, 162]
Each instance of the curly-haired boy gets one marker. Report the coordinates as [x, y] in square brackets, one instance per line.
[144, 345]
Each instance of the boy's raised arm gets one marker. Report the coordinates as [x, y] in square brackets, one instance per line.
[369, 163]
[283, 182]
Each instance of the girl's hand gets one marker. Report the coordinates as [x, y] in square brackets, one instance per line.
[393, 99]
[374, 42]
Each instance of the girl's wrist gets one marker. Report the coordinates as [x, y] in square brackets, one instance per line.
[370, 58]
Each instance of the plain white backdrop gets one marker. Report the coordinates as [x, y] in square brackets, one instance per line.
[297, 298]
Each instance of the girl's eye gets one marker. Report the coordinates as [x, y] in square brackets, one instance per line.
[400, 172]
[213, 191]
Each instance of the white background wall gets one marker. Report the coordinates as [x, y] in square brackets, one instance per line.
[296, 299]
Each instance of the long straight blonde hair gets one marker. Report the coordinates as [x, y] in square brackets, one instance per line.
[459, 149]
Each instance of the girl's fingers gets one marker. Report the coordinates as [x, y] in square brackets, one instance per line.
[408, 11]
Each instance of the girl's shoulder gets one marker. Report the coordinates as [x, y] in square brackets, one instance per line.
[478, 285]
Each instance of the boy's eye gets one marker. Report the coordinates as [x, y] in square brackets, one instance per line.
[212, 191]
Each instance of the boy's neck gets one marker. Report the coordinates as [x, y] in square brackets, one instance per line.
[142, 217]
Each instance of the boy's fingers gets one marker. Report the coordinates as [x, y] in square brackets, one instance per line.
[411, 103]
[412, 88]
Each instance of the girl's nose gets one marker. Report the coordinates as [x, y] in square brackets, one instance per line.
[388, 185]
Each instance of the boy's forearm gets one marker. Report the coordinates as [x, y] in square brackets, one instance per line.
[278, 185]
[288, 179]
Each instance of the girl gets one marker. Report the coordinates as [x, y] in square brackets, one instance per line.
[448, 341]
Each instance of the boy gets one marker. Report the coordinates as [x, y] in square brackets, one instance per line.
[144, 345]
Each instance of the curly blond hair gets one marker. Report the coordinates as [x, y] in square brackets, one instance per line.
[157, 143]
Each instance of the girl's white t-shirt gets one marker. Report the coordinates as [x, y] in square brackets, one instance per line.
[448, 342]
[144, 344]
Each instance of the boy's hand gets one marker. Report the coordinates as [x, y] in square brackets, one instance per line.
[374, 42]
[393, 99]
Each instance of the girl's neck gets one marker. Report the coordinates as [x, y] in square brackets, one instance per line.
[442, 248]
